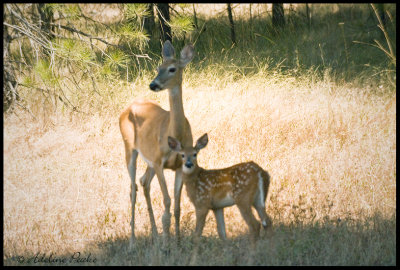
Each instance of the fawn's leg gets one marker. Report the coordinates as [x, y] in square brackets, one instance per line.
[219, 216]
[254, 225]
[201, 214]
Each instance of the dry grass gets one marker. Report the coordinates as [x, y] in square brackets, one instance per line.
[330, 150]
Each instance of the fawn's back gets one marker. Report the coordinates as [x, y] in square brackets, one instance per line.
[244, 182]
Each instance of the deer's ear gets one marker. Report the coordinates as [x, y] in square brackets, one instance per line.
[187, 55]
[168, 51]
[201, 142]
[174, 144]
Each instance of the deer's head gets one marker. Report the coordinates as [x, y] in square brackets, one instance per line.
[170, 71]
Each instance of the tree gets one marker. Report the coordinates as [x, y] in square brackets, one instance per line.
[195, 17]
[164, 18]
[308, 15]
[278, 18]
[46, 60]
[149, 19]
[232, 26]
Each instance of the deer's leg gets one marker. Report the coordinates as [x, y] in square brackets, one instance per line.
[149, 173]
[166, 218]
[145, 180]
[254, 225]
[177, 201]
[219, 216]
[131, 158]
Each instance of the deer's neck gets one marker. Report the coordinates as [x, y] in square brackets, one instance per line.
[177, 115]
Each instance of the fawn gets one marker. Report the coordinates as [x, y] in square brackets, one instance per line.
[244, 184]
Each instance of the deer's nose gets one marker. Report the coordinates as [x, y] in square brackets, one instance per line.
[153, 86]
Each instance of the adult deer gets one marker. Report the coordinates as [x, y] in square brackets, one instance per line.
[145, 128]
[244, 184]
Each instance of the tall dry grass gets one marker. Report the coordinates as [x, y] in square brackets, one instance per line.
[329, 148]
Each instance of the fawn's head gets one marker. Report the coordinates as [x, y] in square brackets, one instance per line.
[170, 71]
[188, 153]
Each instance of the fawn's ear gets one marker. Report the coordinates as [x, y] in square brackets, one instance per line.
[174, 144]
[201, 142]
[187, 55]
[168, 51]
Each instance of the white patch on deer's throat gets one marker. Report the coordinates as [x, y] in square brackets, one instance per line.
[175, 90]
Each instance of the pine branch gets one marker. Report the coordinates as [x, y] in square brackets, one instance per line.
[71, 29]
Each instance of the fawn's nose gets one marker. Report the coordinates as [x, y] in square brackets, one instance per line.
[189, 164]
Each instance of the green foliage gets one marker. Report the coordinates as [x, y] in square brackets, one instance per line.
[343, 44]
[132, 34]
[28, 81]
[180, 25]
[75, 50]
[136, 12]
[44, 71]
[72, 11]
[114, 62]
[116, 59]
[329, 44]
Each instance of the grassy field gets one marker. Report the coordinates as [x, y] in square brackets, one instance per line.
[328, 142]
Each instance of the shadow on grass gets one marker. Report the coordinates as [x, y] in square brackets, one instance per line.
[329, 242]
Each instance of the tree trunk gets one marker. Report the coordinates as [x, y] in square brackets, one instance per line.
[278, 17]
[308, 14]
[251, 24]
[163, 16]
[233, 36]
[195, 17]
[148, 22]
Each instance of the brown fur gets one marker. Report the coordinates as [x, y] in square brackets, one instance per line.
[216, 189]
[145, 128]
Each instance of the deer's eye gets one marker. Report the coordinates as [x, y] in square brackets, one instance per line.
[195, 154]
[172, 70]
[183, 155]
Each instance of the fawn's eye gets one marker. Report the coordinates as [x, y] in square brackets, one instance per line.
[172, 70]
[183, 155]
